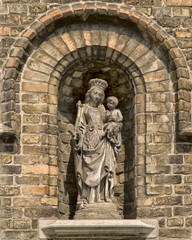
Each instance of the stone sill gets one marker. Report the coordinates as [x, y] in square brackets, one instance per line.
[97, 229]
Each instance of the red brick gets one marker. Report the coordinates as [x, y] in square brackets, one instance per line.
[35, 169]
[34, 190]
[56, 14]
[4, 31]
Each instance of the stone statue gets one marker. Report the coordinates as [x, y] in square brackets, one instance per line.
[96, 144]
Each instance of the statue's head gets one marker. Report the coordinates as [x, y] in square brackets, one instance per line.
[96, 92]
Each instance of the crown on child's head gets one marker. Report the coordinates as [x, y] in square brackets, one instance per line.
[97, 82]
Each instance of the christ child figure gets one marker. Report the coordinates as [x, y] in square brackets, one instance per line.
[113, 120]
[113, 125]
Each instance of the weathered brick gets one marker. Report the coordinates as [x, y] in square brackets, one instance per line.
[51, 201]
[182, 169]
[6, 180]
[9, 191]
[34, 190]
[182, 189]
[5, 159]
[35, 150]
[26, 201]
[34, 87]
[182, 211]
[167, 179]
[158, 190]
[20, 235]
[189, 221]
[178, 2]
[154, 212]
[4, 31]
[35, 128]
[179, 232]
[10, 169]
[28, 180]
[40, 212]
[26, 160]
[35, 169]
[40, 8]
[30, 139]
[27, 119]
[171, 200]
[154, 169]
[21, 224]
[174, 222]
[181, 12]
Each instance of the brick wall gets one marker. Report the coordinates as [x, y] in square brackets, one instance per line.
[45, 76]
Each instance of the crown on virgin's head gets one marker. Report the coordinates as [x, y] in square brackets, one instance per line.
[97, 82]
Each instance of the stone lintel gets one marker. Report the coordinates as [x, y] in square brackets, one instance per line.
[97, 229]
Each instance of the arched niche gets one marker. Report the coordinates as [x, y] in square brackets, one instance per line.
[151, 66]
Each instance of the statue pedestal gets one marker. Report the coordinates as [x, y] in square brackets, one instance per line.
[98, 211]
[97, 229]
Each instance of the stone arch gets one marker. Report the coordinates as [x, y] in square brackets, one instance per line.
[46, 24]
[51, 46]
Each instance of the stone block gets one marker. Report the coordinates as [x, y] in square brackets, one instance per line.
[10, 169]
[182, 169]
[20, 234]
[175, 222]
[29, 109]
[4, 31]
[182, 189]
[49, 201]
[9, 191]
[171, 200]
[167, 179]
[6, 180]
[5, 224]
[149, 212]
[188, 159]
[179, 232]
[183, 33]
[34, 190]
[40, 8]
[41, 56]
[189, 221]
[5, 159]
[35, 169]
[35, 150]
[159, 190]
[34, 87]
[182, 211]
[178, 3]
[175, 159]
[181, 12]
[154, 169]
[158, 148]
[27, 180]
[21, 224]
[28, 119]
[26, 201]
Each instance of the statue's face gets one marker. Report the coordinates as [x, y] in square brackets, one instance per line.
[111, 104]
[96, 95]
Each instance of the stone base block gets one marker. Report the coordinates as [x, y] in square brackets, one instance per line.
[97, 229]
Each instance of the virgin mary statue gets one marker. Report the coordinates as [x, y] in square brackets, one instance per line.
[90, 147]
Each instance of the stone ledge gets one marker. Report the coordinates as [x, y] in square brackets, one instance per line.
[97, 229]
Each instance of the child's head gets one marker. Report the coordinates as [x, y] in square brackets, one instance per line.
[112, 102]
